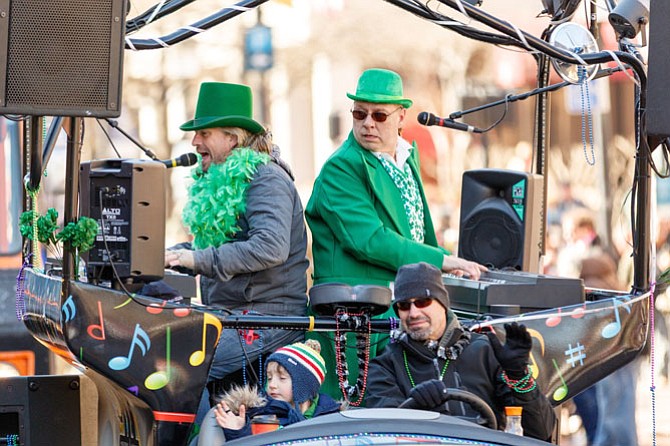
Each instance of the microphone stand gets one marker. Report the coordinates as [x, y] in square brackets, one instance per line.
[148, 152]
[526, 95]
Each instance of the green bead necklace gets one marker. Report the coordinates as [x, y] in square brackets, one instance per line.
[409, 374]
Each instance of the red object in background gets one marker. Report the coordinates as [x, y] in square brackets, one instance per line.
[427, 152]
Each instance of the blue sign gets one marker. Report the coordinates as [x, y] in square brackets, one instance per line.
[258, 48]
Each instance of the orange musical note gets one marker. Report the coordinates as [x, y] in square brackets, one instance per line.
[159, 379]
[141, 340]
[154, 308]
[612, 329]
[554, 320]
[198, 356]
[97, 327]
[562, 391]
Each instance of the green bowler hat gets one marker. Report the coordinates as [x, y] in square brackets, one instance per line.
[380, 86]
[223, 105]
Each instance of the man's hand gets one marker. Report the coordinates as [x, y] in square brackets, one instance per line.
[179, 258]
[461, 267]
[429, 394]
[515, 354]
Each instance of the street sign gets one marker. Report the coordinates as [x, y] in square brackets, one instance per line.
[258, 48]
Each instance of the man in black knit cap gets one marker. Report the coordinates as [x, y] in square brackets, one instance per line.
[433, 352]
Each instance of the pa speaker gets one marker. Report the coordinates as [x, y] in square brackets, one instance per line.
[658, 93]
[501, 219]
[62, 57]
[127, 199]
[47, 410]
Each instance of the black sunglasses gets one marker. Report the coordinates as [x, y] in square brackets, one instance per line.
[405, 305]
[377, 116]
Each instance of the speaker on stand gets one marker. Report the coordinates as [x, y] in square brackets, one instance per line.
[501, 219]
[62, 57]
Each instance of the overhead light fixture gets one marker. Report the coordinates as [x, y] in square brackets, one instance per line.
[629, 16]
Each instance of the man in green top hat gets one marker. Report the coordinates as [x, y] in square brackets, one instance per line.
[368, 213]
[246, 218]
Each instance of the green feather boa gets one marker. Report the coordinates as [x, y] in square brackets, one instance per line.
[218, 197]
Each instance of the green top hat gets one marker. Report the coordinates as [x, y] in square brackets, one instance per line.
[381, 87]
[223, 105]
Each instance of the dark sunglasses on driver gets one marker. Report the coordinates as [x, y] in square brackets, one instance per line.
[405, 305]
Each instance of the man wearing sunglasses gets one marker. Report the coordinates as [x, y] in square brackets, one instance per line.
[433, 352]
[368, 213]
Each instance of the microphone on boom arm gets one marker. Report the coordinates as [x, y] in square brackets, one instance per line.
[187, 159]
[426, 118]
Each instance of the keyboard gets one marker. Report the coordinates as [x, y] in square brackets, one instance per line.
[512, 292]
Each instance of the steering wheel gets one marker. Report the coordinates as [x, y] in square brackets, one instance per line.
[485, 417]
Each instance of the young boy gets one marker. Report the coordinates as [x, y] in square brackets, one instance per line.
[294, 375]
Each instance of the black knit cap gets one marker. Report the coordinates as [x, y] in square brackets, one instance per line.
[418, 280]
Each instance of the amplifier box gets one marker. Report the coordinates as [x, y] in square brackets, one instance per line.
[127, 199]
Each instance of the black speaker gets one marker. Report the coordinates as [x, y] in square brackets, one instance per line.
[47, 410]
[658, 93]
[127, 199]
[501, 219]
[62, 57]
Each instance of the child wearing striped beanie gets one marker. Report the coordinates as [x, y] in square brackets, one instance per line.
[294, 374]
[304, 365]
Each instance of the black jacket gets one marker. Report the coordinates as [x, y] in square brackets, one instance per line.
[476, 370]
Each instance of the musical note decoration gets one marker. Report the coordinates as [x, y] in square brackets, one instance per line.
[198, 356]
[69, 309]
[159, 379]
[560, 393]
[140, 340]
[97, 331]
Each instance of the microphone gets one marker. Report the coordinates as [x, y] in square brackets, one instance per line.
[426, 118]
[187, 159]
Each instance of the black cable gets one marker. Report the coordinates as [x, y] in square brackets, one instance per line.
[104, 240]
[108, 138]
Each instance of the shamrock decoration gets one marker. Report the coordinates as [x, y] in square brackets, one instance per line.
[80, 235]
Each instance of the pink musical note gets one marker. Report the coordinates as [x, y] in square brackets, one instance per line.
[554, 320]
[198, 356]
[154, 308]
[578, 312]
[159, 379]
[141, 340]
[100, 328]
[612, 329]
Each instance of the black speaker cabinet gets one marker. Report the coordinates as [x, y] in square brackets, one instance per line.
[47, 410]
[501, 219]
[127, 199]
[658, 93]
[61, 57]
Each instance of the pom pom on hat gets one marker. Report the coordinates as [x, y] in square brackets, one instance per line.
[304, 363]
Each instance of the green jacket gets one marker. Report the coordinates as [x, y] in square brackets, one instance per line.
[360, 235]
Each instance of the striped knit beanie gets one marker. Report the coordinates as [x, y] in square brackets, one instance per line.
[305, 365]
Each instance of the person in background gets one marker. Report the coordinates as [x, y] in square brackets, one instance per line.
[246, 218]
[368, 212]
[434, 352]
[607, 408]
[294, 375]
